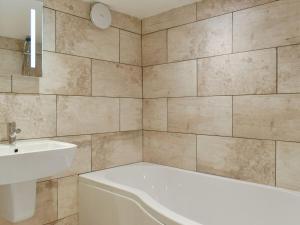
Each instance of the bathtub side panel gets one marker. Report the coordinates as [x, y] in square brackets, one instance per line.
[101, 207]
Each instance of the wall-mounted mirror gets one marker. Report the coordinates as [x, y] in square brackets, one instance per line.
[21, 37]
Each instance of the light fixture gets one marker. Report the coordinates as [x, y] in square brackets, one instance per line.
[32, 35]
[100, 16]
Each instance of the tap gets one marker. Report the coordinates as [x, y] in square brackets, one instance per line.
[12, 132]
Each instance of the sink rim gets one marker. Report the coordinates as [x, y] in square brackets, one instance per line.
[33, 143]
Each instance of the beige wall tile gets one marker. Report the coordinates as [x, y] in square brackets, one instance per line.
[244, 159]
[71, 220]
[74, 7]
[116, 80]
[172, 18]
[170, 80]
[10, 62]
[126, 22]
[130, 48]
[237, 74]
[170, 149]
[46, 205]
[115, 149]
[275, 117]
[5, 83]
[87, 115]
[25, 84]
[287, 166]
[267, 26]
[11, 44]
[154, 50]
[131, 114]
[78, 36]
[64, 74]
[82, 160]
[289, 69]
[210, 8]
[35, 115]
[67, 196]
[48, 29]
[201, 39]
[155, 112]
[204, 115]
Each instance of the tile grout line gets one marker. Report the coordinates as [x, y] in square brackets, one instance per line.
[224, 136]
[197, 77]
[91, 74]
[277, 70]
[70, 96]
[75, 135]
[220, 55]
[92, 153]
[229, 95]
[61, 219]
[167, 99]
[167, 45]
[96, 59]
[196, 11]
[232, 116]
[119, 115]
[55, 32]
[196, 153]
[88, 19]
[232, 33]
[11, 83]
[119, 46]
[118, 97]
[141, 36]
[142, 68]
[13, 50]
[56, 117]
[177, 61]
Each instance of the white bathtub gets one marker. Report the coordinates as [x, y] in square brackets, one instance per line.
[148, 194]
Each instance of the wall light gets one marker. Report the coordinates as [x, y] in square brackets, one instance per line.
[32, 34]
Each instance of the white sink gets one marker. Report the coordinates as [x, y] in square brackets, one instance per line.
[21, 165]
[34, 160]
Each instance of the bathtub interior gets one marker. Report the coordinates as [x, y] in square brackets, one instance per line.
[206, 199]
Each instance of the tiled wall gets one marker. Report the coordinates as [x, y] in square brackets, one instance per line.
[220, 94]
[221, 88]
[90, 94]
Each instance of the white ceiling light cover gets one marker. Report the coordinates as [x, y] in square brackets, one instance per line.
[101, 16]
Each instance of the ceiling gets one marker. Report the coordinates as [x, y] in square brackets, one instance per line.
[144, 8]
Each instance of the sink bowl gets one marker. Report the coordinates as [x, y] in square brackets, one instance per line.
[21, 165]
[32, 160]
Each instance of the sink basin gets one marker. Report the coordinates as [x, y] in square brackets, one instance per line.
[32, 160]
[21, 165]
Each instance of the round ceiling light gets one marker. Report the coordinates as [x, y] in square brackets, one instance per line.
[101, 16]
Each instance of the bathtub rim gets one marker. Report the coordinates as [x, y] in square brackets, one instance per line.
[153, 207]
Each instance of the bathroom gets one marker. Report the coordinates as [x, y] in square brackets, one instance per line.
[138, 112]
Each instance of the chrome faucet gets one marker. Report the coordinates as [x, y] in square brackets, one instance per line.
[12, 132]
